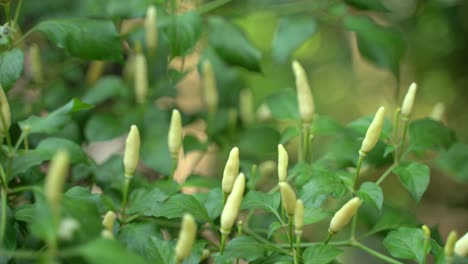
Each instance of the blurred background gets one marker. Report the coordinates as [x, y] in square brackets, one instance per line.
[358, 55]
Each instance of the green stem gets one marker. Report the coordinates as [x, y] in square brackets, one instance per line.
[18, 143]
[210, 6]
[426, 248]
[396, 123]
[7, 13]
[265, 242]
[23, 37]
[358, 168]
[290, 225]
[386, 173]
[309, 244]
[223, 243]
[4, 214]
[329, 236]
[31, 188]
[401, 145]
[18, 8]
[174, 167]
[353, 226]
[4, 178]
[125, 197]
[376, 254]
[305, 143]
[298, 246]
[225, 196]
[5, 131]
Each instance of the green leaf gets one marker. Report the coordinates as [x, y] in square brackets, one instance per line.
[288, 134]
[374, 5]
[406, 243]
[106, 88]
[160, 251]
[135, 236]
[154, 149]
[213, 202]
[383, 46]
[454, 161]
[26, 160]
[324, 125]
[415, 177]
[313, 214]
[195, 180]
[273, 227]
[371, 193]
[259, 142]
[83, 206]
[275, 258]
[245, 248]
[183, 32]
[291, 33]
[55, 121]
[191, 143]
[11, 67]
[107, 251]
[114, 8]
[321, 254]
[322, 184]
[89, 39]
[49, 147]
[231, 44]
[283, 104]
[105, 126]
[176, 206]
[428, 134]
[261, 200]
[142, 199]
[392, 219]
[361, 125]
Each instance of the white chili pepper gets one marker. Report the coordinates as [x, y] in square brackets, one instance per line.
[288, 198]
[344, 215]
[187, 235]
[151, 30]
[408, 101]
[55, 179]
[132, 152]
[231, 208]
[282, 163]
[231, 170]
[141, 78]
[461, 246]
[373, 132]
[304, 95]
[175, 134]
[210, 92]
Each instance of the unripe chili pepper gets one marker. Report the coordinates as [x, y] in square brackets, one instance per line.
[373, 132]
[231, 208]
[299, 217]
[450, 243]
[408, 101]
[210, 92]
[438, 112]
[55, 179]
[36, 64]
[304, 95]
[151, 30]
[344, 215]
[95, 70]
[141, 78]
[461, 246]
[175, 134]
[108, 221]
[288, 198]
[187, 235]
[282, 163]
[246, 106]
[132, 152]
[231, 170]
[5, 118]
